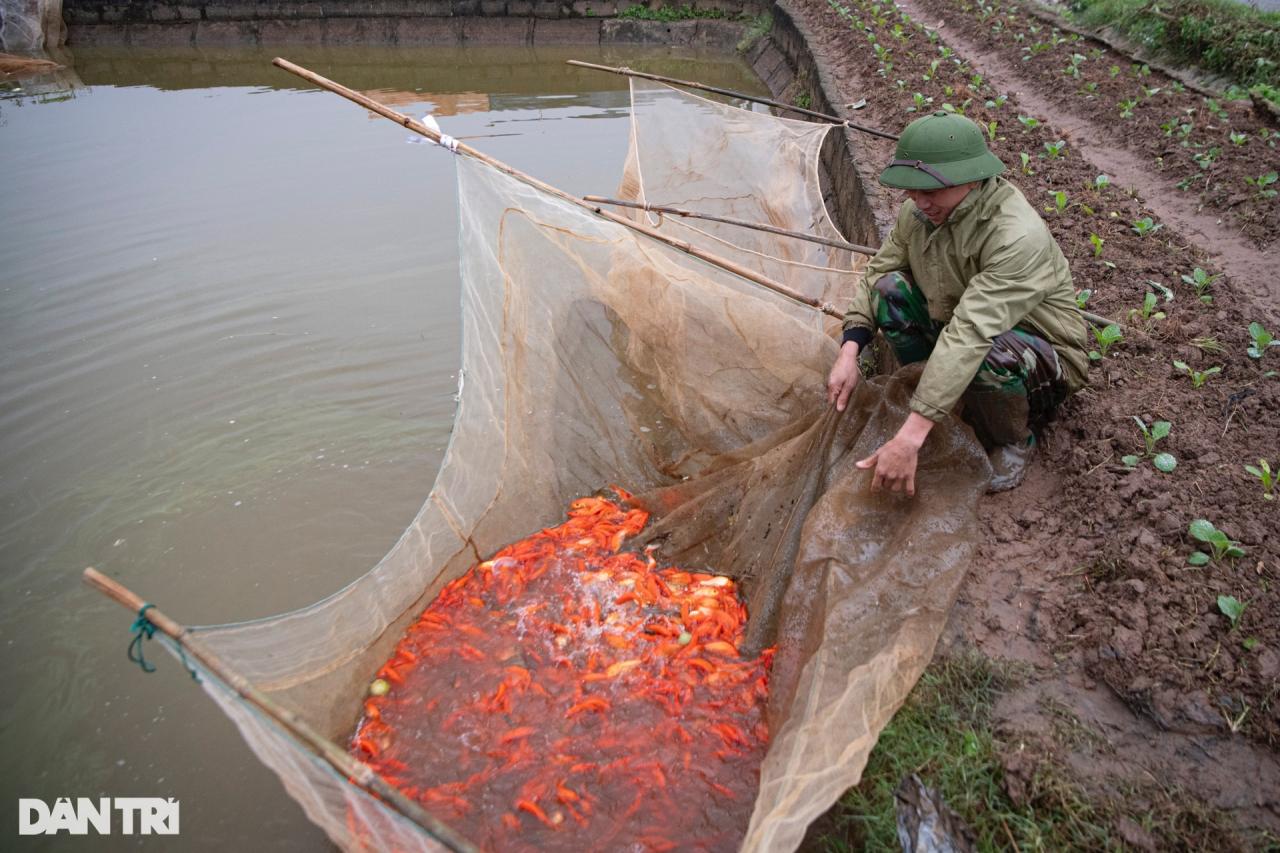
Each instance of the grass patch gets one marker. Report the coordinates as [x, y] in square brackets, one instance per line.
[944, 733]
[670, 13]
[1220, 36]
[756, 28]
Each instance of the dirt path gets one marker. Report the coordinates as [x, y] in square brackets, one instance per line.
[1136, 678]
[1253, 269]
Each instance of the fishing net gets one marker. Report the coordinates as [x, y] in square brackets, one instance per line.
[593, 355]
[27, 26]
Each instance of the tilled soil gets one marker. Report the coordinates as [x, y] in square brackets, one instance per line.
[1087, 574]
[1205, 147]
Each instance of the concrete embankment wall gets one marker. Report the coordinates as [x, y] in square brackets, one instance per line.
[781, 56]
[222, 23]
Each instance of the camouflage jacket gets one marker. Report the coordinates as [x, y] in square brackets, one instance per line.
[990, 266]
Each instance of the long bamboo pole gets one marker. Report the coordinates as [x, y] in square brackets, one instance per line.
[358, 773]
[689, 84]
[729, 220]
[464, 149]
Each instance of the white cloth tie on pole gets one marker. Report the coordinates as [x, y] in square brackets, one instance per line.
[446, 141]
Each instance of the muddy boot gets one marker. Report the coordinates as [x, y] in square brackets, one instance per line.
[999, 419]
[1009, 464]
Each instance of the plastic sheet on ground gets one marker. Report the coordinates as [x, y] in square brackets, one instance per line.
[593, 355]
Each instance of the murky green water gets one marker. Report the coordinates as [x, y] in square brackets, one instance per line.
[228, 354]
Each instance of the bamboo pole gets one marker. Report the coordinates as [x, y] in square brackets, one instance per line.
[358, 773]
[689, 84]
[466, 150]
[728, 220]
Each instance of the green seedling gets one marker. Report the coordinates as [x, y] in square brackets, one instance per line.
[997, 102]
[1262, 185]
[1060, 201]
[1148, 311]
[1198, 378]
[1028, 122]
[991, 130]
[1238, 138]
[1141, 70]
[1106, 338]
[1150, 435]
[1082, 298]
[1262, 341]
[1201, 281]
[1205, 159]
[1146, 225]
[1152, 92]
[1266, 477]
[1249, 643]
[1098, 243]
[1160, 288]
[1101, 182]
[1220, 546]
[1126, 107]
[1025, 158]
[1053, 150]
[1232, 608]
[1114, 71]
[1091, 88]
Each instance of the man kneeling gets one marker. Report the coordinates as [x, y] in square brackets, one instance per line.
[971, 282]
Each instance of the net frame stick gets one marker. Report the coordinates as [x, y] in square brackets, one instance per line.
[359, 774]
[690, 84]
[466, 150]
[728, 220]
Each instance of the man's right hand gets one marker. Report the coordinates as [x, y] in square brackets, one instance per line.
[844, 376]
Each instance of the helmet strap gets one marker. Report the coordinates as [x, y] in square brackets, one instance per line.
[926, 168]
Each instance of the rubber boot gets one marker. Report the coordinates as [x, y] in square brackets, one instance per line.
[999, 419]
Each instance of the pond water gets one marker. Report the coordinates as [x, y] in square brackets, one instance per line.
[229, 339]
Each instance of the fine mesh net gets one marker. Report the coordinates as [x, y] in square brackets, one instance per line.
[593, 355]
[28, 26]
[695, 154]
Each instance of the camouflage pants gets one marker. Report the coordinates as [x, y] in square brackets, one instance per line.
[1018, 384]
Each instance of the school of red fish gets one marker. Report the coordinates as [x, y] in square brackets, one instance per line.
[567, 695]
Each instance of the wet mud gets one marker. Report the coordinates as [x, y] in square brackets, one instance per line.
[1084, 576]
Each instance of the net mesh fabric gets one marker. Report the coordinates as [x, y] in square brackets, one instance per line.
[593, 355]
[702, 155]
[28, 26]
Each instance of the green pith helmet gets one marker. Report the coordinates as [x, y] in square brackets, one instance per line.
[940, 150]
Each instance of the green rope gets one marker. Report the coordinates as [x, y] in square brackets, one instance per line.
[145, 629]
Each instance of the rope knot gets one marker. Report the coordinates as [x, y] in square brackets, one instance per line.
[143, 629]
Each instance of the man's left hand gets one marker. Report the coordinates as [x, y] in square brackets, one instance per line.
[895, 464]
[895, 461]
